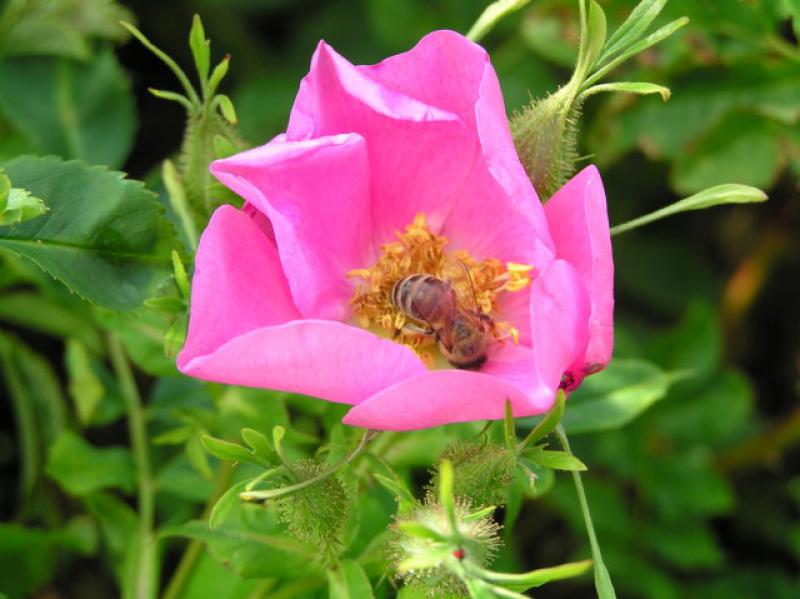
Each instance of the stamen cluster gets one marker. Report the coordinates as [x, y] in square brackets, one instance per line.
[418, 250]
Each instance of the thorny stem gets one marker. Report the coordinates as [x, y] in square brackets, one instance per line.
[144, 578]
[601, 573]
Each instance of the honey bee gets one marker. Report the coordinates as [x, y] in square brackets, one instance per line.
[462, 335]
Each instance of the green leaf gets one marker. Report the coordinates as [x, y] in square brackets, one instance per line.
[651, 40]
[730, 193]
[105, 237]
[431, 558]
[225, 504]
[218, 74]
[225, 450]
[742, 148]
[181, 279]
[85, 388]
[630, 87]
[536, 578]
[27, 559]
[253, 542]
[416, 529]
[175, 337]
[64, 318]
[446, 493]
[557, 460]
[71, 109]
[615, 396]
[200, 47]
[196, 456]
[596, 32]
[548, 424]
[226, 107]
[38, 406]
[348, 581]
[17, 205]
[404, 497]
[223, 147]
[686, 544]
[695, 414]
[119, 524]
[633, 27]
[142, 334]
[59, 27]
[166, 303]
[259, 444]
[211, 578]
[702, 101]
[81, 468]
[491, 15]
[172, 97]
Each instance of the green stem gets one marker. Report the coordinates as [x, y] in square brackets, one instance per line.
[602, 580]
[196, 547]
[260, 496]
[143, 580]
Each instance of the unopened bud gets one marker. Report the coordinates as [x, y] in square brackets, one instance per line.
[428, 553]
[545, 134]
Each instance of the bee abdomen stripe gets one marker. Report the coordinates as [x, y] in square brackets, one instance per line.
[405, 289]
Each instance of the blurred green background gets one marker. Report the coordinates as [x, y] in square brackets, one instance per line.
[697, 498]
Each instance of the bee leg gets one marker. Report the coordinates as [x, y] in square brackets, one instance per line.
[410, 327]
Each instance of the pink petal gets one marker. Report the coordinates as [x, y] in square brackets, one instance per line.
[559, 330]
[528, 377]
[238, 284]
[497, 179]
[419, 154]
[579, 225]
[498, 213]
[439, 397]
[322, 358]
[316, 196]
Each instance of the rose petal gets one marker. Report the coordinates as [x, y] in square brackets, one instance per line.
[559, 330]
[316, 196]
[419, 155]
[238, 284]
[435, 398]
[579, 225]
[498, 213]
[322, 358]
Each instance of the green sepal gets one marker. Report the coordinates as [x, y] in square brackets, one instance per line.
[181, 278]
[201, 49]
[557, 460]
[548, 424]
[218, 74]
[225, 450]
[226, 108]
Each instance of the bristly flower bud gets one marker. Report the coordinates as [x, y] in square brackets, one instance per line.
[316, 513]
[545, 134]
[429, 554]
[482, 472]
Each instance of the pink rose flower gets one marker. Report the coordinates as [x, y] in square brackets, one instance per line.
[368, 150]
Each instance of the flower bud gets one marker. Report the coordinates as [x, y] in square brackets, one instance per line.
[482, 472]
[545, 135]
[429, 552]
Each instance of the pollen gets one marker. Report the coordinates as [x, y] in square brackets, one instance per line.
[478, 285]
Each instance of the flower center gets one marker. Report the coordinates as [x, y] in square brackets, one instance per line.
[450, 306]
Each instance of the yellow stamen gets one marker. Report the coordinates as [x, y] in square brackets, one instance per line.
[418, 250]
